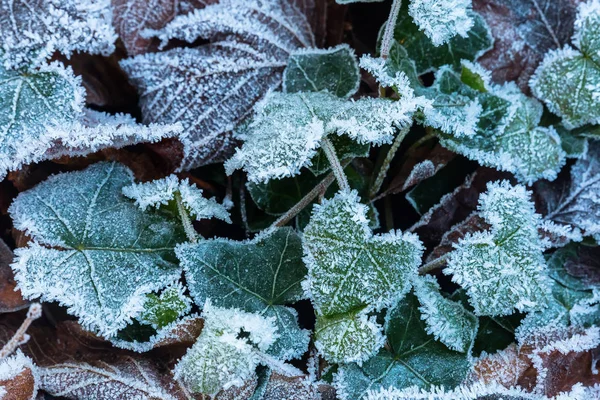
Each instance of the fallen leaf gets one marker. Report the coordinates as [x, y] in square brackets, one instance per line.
[10, 299]
[18, 378]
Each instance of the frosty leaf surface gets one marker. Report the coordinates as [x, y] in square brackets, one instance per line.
[170, 190]
[569, 71]
[442, 20]
[412, 358]
[226, 352]
[313, 70]
[449, 50]
[211, 88]
[93, 250]
[503, 268]
[448, 321]
[258, 276]
[32, 30]
[287, 128]
[162, 309]
[19, 377]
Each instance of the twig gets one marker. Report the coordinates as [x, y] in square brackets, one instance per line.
[388, 34]
[35, 311]
[188, 227]
[336, 166]
[385, 166]
[433, 265]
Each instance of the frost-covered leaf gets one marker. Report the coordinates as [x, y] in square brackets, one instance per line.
[576, 266]
[474, 38]
[575, 202]
[357, 1]
[211, 88]
[442, 20]
[286, 130]
[345, 148]
[171, 191]
[351, 272]
[31, 31]
[503, 268]
[93, 250]
[258, 276]
[162, 309]
[574, 71]
[412, 357]
[19, 379]
[448, 321]
[313, 70]
[227, 351]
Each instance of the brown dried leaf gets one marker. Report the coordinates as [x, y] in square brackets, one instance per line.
[504, 367]
[290, 388]
[18, 379]
[473, 223]
[10, 299]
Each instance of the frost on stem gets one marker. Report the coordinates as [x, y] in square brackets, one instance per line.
[211, 88]
[569, 72]
[92, 249]
[352, 272]
[503, 268]
[31, 31]
[227, 351]
[286, 129]
[441, 20]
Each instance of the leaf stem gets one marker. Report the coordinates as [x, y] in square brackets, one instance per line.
[388, 34]
[385, 166]
[188, 227]
[433, 265]
[35, 311]
[336, 166]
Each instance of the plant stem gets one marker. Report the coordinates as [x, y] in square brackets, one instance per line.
[388, 34]
[336, 166]
[35, 311]
[188, 227]
[433, 265]
[385, 166]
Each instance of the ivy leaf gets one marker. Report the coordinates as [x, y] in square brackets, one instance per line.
[31, 33]
[313, 70]
[503, 268]
[574, 203]
[448, 321]
[567, 71]
[162, 309]
[575, 266]
[442, 20]
[93, 250]
[471, 44]
[351, 272]
[211, 88]
[256, 276]
[412, 357]
[287, 129]
[345, 148]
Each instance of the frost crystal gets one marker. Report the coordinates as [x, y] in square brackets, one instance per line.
[31, 31]
[286, 130]
[448, 321]
[93, 250]
[211, 88]
[258, 276]
[441, 20]
[161, 310]
[166, 191]
[351, 271]
[13, 366]
[227, 351]
[567, 71]
[502, 269]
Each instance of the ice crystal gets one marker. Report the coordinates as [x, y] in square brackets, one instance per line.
[14, 374]
[286, 130]
[442, 20]
[211, 88]
[93, 250]
[503, 268]
[313, 70]
[162, 309]
[171, 189]
[574, 70]
[448, 321]
[31, 31]
[352, 271]
[226, 352]
[258, 276]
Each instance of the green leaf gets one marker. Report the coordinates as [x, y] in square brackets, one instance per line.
[93, 250]
[575, 266]
[503, 268]
[344, 148]
[428, 57]
[568, 80]
[312, 70]
[162, 309]
[412, 357]
[257, 276]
